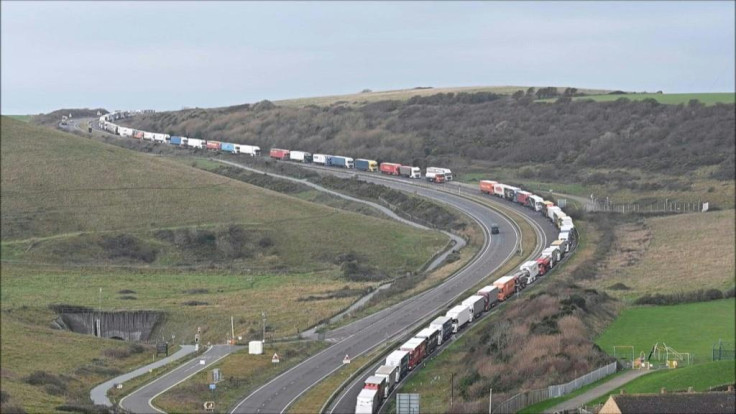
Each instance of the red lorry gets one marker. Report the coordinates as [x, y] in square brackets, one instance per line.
[214, 145]
[544, 265]
[486, 186]
[389, 168]
[279, 154]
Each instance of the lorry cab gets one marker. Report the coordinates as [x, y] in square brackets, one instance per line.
[494, 228]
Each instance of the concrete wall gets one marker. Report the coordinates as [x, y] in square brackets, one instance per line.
[126, 325]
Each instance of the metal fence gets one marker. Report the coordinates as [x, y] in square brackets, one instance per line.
[522, 400]
[724, 351]
[519, 401]
[654, 206]
[562, 389]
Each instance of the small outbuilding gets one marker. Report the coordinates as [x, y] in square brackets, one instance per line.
[689, 402]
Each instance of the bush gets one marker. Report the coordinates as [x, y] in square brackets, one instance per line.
[117, 353]
[195, 303]
[4, 397]
[126, 291]
[136, 348]
[13, 409]
[45, 378]
[682, 297]
[619, 286]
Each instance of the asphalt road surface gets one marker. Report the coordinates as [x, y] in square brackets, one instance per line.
[139, 401]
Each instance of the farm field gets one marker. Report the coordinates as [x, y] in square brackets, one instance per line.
[669, 98]
[692, 327]
[671, 254]
[700, 377]
[405, 94]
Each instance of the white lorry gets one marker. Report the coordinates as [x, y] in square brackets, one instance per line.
[432, 171]
[460, 316]
[320, 158]
[477, 304]
[530, 270]
[367, 402]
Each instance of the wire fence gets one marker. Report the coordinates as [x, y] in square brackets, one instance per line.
[724, 351]
[522, 400]
[652, 206]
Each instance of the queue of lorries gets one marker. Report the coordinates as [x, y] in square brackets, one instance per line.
[432, 174]
[409, 355]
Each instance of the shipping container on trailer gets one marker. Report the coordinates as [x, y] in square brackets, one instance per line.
[320, 158]
[433, 338]
[409, 171]
[367, 402]
[506, 287]
[125, 132]
[562, 245]
[279, 154]
[213, 145]
[229, 147]
[160, 137]
[389, 168]
[366, 165]
[486, 186]
[399, 359]
[252, 150]
[147, 136]
[379, 384]
[195, 143]
[340, 161]
[498, 189]
[522, 197]
[300, 156]
[490, 293]
[416, 347]
[175, 140]
[437, 170]
[444, 324]
[545, 263]
[391, 373]
[460, 315]
[477, 304]
[546, 205]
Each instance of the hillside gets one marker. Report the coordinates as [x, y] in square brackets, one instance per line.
[568, 140]
[405, 94]
[70, 198]
[89, 224]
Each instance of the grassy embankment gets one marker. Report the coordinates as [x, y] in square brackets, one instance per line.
[78, 215]
[690, 188]
[668, 98]
[405, 94]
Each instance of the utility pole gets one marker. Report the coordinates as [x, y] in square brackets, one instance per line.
[452, 389]
[263, 338]
[232, 329]
[490, 401]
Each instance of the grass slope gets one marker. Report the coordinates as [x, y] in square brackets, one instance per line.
[692, 327]
[700, 377]
[669, 98]
[405, 94]
[678, 253]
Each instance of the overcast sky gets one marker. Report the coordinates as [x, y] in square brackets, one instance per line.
[167, 55]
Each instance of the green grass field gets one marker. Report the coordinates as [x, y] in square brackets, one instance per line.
[405, 94]
[24, 118]
[700, 377]
[669, 98]
[692, 327]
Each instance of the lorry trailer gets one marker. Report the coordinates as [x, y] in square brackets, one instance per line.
[436, 170]
[416, 347]
[340, 161]
[389, 168]
[433, 338]
[444, 324]
[300, 156]
[391, 373]
[368, 402]
[477, 304]
[279, 154]
[399, 359]
[214, 145]
[366, 165]
[486, 186]
[460, 315]
[490, 293]
[320, 158]
[411, 172]
[506, 287]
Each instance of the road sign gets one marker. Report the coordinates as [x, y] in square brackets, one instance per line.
[202, 362]
[407, 403]
[209, 405]
[275, 358]
[212, 387]
[346, 360]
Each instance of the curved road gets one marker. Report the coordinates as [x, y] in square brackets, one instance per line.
[139, 401]
[363, 335]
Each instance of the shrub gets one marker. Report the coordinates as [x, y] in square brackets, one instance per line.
[128, 297]
[195, 291]
[195, 303]
[4, 397]
[136, 348]
[45, 378]
[126, 291]
[117, 353]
